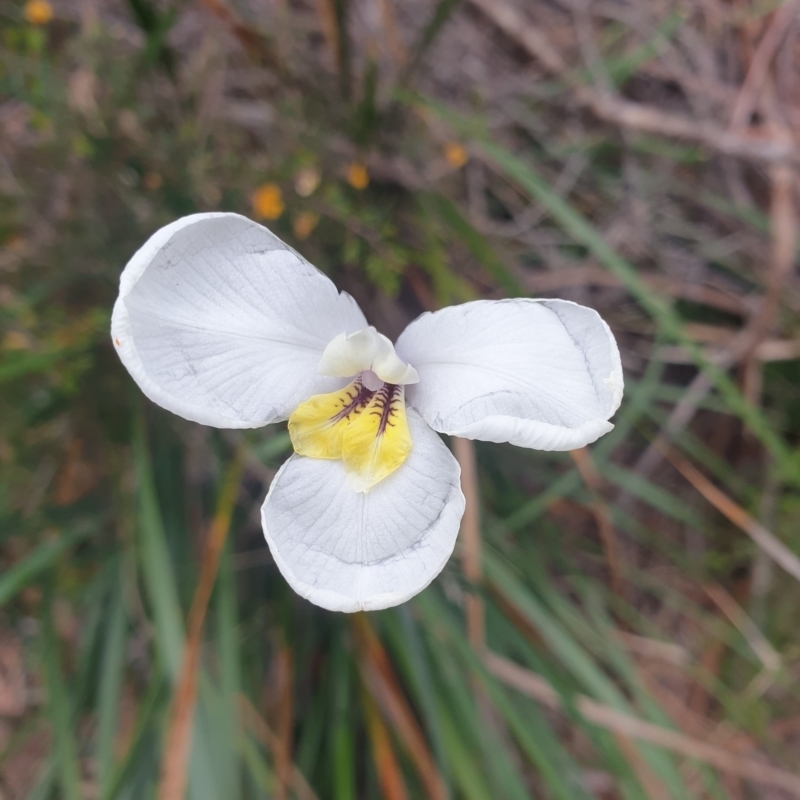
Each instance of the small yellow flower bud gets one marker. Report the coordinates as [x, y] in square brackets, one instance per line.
[267, 201]
[306, 181]
[357, 175]
[455, 154]
[38, 12]
[304, 224]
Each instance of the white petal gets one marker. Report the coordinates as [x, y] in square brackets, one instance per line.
[347, 551]
[347, 356]
[537, 373]
[219, 321]
[391, 369]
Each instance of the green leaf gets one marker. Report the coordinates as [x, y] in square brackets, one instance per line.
[155, 557]
[109, 693]
[226, 720]
[59, 711]
[342, 739]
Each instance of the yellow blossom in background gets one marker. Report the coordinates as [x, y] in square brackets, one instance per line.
[357, 175]
[267, 201]
[38, 12]
[455, 154]
[306, 181]
[304, 224]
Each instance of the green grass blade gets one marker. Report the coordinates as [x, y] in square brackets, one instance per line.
[649, 493]
[58, 704]
[466, 772]
[113, 663]
[155, 557]
[43, 788]
[141, 745]
[482, 732]
[258, 768]
[342, 728]
[563, 646]
[230, 674]
[408, 650]
[532, 732]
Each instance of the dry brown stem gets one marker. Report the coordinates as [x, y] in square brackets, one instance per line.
[619, 722]
[653, 787]
[765, 539]
[759, 65]
[390, 775]
[759, 644]
[630, 115]
[784, 242]
[746, 344]
[638, 117]
[770, 350]
[379, 679]
[471, 540]
[668, 652]
[251, 41]
[330, 30]
[602, 515]
[596, 276]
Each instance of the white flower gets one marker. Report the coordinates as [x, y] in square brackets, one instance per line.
[220, 322]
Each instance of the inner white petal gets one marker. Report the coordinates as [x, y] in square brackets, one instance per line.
[363, 351]
[371, 381]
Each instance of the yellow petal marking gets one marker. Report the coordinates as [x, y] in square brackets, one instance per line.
[316, 427]
[376, 441]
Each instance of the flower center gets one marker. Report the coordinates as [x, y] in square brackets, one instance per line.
[366, 350]
[364, 423]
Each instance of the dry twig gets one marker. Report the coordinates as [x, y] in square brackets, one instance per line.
[630, 115]
[608, 536]
[766, 540]
[759, 65]
[610, 719]
[471, 541]
[390, 776]
[759, 644]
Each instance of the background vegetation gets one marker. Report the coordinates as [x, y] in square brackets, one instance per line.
[620, 622]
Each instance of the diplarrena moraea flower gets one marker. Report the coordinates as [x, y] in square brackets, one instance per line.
[220, 322]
